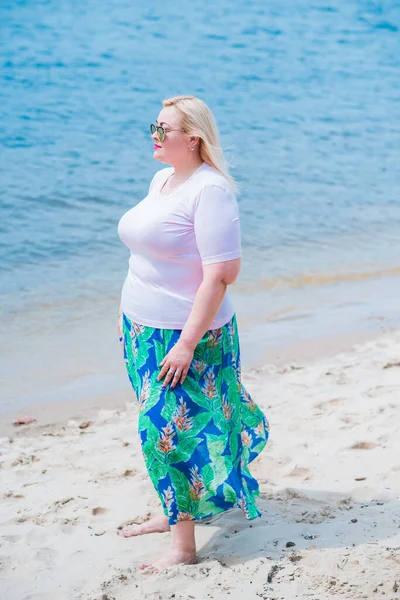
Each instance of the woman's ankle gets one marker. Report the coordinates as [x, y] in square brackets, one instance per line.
[184, 553]
[183, 539]
[179, 547]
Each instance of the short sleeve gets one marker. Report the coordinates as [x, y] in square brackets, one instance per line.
[217, 225]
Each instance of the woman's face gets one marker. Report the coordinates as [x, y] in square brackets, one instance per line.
[174, 149]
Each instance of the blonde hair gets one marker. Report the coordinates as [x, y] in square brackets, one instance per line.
[198, 121]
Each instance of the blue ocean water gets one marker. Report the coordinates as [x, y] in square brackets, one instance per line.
[307, 99]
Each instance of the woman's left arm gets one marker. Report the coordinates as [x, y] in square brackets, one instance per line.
[211, 292]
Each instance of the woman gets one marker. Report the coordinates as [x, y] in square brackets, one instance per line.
[198, 426]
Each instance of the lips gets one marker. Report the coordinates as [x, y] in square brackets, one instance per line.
[156, 146]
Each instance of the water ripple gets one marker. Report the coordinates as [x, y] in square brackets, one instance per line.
[306, 97]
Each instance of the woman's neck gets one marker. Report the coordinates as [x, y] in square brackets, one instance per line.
[184, 171]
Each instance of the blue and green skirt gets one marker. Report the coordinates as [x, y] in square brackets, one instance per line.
[198, 438]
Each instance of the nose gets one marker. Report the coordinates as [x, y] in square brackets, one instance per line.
[155, 137]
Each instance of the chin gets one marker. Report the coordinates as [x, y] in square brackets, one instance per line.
[158, 156]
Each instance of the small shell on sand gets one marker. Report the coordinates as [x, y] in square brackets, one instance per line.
[24, 420]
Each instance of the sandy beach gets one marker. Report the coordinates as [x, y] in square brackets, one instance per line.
[330, 496]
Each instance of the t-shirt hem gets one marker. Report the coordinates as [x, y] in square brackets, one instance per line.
[164, 325]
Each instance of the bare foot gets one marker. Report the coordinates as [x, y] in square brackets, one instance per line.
[175, 557]
[155, 525]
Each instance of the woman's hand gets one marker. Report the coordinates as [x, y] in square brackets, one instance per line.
[176, 364]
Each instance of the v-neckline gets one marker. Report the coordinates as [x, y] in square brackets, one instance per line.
[179, 187]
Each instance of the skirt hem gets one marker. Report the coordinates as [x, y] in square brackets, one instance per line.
[209, 519]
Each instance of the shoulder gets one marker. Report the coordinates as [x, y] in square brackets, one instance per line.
[210, 181]
[213, 189]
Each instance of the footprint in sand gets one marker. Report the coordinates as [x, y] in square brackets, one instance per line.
[11, 538]
[46, 555]
[136, 521]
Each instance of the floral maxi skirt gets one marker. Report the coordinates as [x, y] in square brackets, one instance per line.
[198, 438]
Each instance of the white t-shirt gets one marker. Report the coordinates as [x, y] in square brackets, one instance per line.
[170, 237]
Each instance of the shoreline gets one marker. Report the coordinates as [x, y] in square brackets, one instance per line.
[69, 358]
[86, 406]
[72, 359]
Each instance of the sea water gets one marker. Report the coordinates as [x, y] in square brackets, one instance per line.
[306, 96]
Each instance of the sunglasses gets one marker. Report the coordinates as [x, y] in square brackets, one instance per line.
[161, 131]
